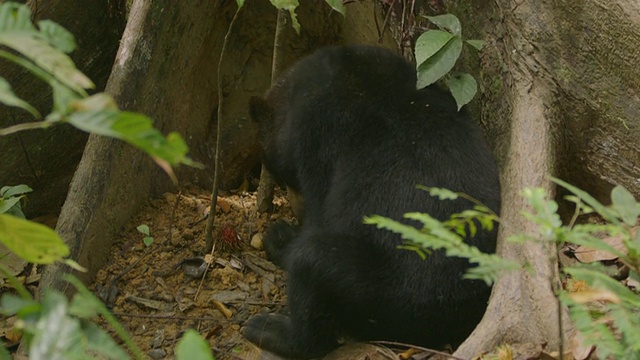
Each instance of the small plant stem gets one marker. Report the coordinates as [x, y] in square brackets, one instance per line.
[216, 171]
[25, 126]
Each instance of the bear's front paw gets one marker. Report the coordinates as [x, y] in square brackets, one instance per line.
[271, 332]
[277, 239]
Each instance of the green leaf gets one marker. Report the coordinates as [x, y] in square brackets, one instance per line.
[143, 229]
[338, 6]
[625, 204]
[15, 17]
[9, 191]
[31, 241]
[137, 130]
[148, 240]
[9, 98]
[477, 44]
[441, 193]
[57, 334]
[7, 204]
[606, 213]
[440, 63]
[63, 99]
[14, 305]
[240, 3]
[447, 21]
[57, 36]
[84, 306]
[193, 347]
[93, 302]
[48, 58]
[290, 6]
[429, 43]
[4, 354]
[99, 341]
[463, 87]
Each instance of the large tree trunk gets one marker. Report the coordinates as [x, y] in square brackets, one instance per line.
[569, 88]
[523, 307]
[46, 160]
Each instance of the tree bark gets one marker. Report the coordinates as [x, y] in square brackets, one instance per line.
[570, 86]
[523, 307]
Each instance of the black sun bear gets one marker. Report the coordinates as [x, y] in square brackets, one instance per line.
[347, 130]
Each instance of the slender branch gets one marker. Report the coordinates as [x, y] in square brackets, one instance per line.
[25, 126]
[216, 171]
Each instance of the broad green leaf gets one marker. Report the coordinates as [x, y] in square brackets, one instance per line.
[463, 87]
[625, 204]
[447, 21]
[57, 334]
[148, 240]
[14, 305]
[84, 307]
[477, 44]
[63, 98]
[429, 43]
[15, 17]
[439, 64]
[57, 36]
[290, 6]
[240, 3]
[105, 313]
[48, 58]
[31, 241]
[96, 122]
[99, 341]
[338, 6]
[9, 191]
[193, 347]
[7, 204]
[137, 130]
[96, 102]
[143, 229]
[9, 98]
[4, 354]
[134, 128]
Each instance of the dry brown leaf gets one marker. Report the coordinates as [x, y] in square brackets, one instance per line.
[224, 205]
[574, 286]
[593, 295]
[361, 351]
[13, 335]
[588, 255]
[579, 349]
[153, 304]
[222, 308]
[407, 353]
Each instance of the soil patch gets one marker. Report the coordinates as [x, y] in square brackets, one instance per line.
[161, 290]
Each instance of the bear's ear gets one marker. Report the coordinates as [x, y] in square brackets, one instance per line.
[260, 110]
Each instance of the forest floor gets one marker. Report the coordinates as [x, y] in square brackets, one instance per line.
[160, 290]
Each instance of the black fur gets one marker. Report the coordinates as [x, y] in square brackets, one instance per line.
[346, 128]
